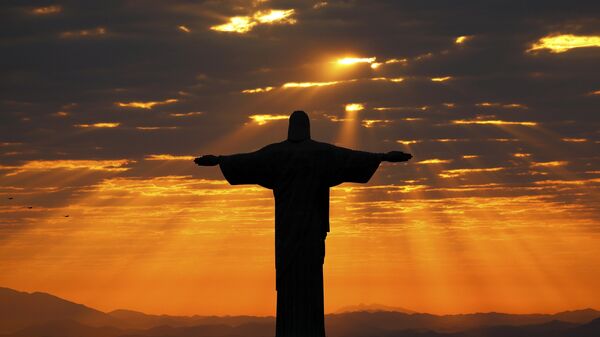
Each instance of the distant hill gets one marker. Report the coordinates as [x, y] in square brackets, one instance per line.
[20, 309]
[139, 320]
[43, 315]
[357, 323]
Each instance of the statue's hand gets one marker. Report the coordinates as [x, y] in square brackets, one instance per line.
[397, 156]
[207, 160]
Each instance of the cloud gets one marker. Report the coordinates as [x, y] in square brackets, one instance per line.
[244, 24]
[167, 157]
[84, 33]
[355, 60]
[454, 173]
[561, 43]
[46, 10]
[184, 29]
[353, 107]
[554, 163]
[263, 119]
[462, 39]
[146, 105]
[309, 84]
[46, 165]
[434, 161]
[257, 90]
[98, 125]
[493, 122]
[441, 79]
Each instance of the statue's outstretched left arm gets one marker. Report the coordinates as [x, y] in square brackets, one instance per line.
[395, 156]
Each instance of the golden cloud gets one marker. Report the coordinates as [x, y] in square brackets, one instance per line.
[503, 105]
[93, 165]
[394, 79]
[244, 24]
[434, 161]
[355, 60]
[461, 172]
[167, 157]
[98, 125]
[275, 16]
[236, 24]
[440, 79]
[554, 163]
[564, 42]
[492, 122]
[146, 105]
[521, 155]
[257, 90]
[352, 107]
[575, 140]
[462, 39]
[369, 123]
[408, 142]
[263, 119]
[186, 114]
[309, 84]
[376, 65]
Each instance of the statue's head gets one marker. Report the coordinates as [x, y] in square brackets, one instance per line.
[299, 128]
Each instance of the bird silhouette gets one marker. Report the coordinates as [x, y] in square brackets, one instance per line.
[10, 198]
[66, 216]
[30, 207]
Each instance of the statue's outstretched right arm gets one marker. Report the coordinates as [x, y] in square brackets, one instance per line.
[208, 160]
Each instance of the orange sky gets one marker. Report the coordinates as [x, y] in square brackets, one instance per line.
[101, 204]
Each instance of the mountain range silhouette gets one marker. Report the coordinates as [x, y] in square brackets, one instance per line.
[43, 315]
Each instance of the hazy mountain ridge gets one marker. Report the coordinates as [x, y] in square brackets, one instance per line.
[44, 315]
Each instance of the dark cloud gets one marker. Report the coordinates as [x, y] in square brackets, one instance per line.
[87, 56]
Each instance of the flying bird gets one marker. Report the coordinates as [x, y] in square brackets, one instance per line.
[30, 207]
[66, 216]
[10, 198]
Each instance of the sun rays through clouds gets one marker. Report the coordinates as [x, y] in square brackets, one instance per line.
[101, 120]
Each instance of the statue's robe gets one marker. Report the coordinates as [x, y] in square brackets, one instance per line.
[300, 175]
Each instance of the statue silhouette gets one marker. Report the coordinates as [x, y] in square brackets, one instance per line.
[300, 172]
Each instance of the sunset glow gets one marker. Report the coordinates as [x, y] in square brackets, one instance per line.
[106, 105]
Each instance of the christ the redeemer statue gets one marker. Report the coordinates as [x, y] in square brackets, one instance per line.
[300, 172]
